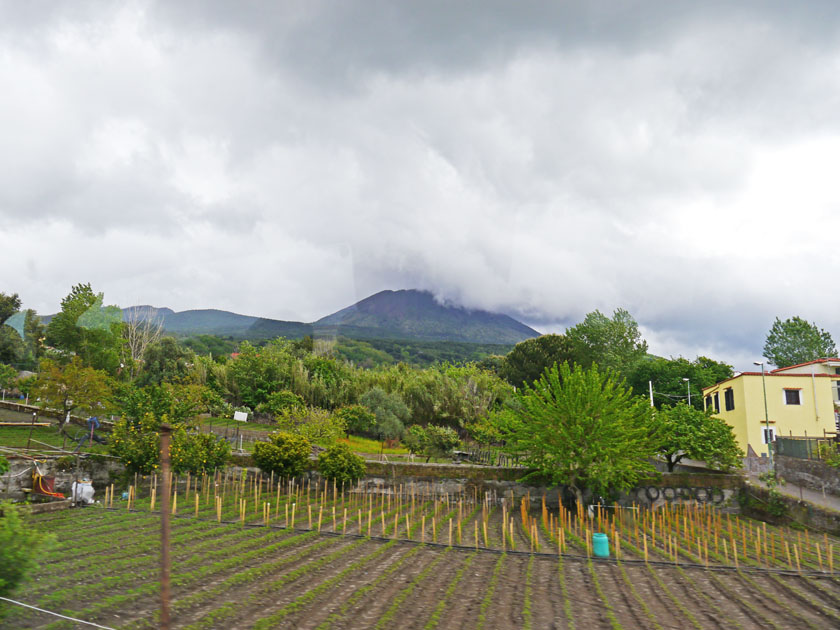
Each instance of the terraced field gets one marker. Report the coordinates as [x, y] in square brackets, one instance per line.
[389, 566]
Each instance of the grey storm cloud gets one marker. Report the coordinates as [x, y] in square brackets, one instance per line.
[539, 158]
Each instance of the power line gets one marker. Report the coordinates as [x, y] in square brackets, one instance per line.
[49, 612]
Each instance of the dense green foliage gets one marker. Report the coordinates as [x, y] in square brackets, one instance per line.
[137, 444]
[285, 454]
[687, 432]
[4, 465]
[71, 387]
[20, 546]
[795, 341]
[358, 419]
[431, 441]
[529, 359]
[390, 412]
[339, 464]
[88, 329]
[667, 376]
[581, 428]
[8, 375]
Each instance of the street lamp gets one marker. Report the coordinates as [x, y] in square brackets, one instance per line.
[766, 416]
[688, 387]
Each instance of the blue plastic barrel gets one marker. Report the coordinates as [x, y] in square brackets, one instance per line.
[601, 545]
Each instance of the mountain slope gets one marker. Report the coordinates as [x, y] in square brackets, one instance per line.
[411, 314]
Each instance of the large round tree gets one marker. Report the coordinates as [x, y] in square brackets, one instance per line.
[581, 428]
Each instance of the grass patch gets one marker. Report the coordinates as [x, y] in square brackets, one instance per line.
[365, 445]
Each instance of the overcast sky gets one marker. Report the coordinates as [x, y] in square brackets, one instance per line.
[285, 159]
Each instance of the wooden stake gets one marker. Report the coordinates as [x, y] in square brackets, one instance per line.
[196, 504]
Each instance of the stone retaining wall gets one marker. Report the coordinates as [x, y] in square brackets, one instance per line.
[809, 473]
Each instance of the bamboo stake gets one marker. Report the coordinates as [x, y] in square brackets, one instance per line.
[450, 532]
[320, 516]
[344, 525]
[197, 497]
[796, 555]
[152, 503]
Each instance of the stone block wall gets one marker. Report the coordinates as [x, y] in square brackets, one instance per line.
[809, 473]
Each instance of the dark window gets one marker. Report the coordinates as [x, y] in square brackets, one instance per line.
[717, 403]
[792, 397]
[837, 370]
[729, 399]
[708, 401]
[769, 435]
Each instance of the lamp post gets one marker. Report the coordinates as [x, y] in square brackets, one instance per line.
[688, 387]
[766, 416]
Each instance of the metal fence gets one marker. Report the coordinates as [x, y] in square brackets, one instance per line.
[802, 447]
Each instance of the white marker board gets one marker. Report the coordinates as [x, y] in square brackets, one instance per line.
[241, 416]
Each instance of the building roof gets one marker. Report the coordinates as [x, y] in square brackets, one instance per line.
[770, 375]
[790, 367]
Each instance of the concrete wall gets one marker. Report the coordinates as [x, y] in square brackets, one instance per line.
[809, 473]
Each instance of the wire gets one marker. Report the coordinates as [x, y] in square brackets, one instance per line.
[49, 612]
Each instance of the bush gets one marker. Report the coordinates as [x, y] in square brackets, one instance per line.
[4, 465]
[339, 464]
[19, 549]
[197, 452]
[359, 420]
[137, 444]
[282, 402]
[285, 454]
[316, 425]
[431, 441]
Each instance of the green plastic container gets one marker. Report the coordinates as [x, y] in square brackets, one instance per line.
[601, 545]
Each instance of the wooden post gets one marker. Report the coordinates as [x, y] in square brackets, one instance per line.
[450, 532]
[165, 434]
[196, 504]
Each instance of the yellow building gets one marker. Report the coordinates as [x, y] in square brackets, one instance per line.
[801, 400]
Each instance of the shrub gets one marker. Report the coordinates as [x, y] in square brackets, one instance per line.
[338, 463]
[431, 441]
[282, 402]
[4, 465]
[359, 420]
[197, 452]
[19, 549]
[138, 445]
[316, 425]
[285, 454]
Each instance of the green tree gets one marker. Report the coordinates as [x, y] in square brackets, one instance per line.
[340, 465]
[71, 387]
[137, 444]
[667, 376]
[530, 358]
[796, 341]
[87, 329]
[165, 361]
[11, 341]
[580, 428]
[612, 343]
[284, 454]
[391, 412]
[431, 441]
[8, 375]
[20, 546]
[358, 419]
[687, 432]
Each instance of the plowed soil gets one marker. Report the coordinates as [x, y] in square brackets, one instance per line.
[104, 570]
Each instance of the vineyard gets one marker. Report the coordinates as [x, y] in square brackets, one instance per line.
[253, 552]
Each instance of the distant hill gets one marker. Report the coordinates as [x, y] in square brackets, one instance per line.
[396, 315]
[412, 314]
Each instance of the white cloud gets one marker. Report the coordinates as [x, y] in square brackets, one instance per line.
[286, 160]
